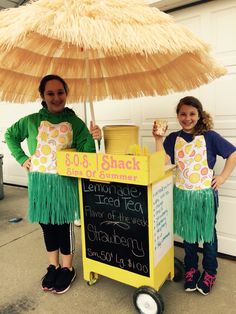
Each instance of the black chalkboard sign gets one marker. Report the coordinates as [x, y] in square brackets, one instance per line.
[116, 225]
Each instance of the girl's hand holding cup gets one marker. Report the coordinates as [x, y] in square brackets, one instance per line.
[159, 127]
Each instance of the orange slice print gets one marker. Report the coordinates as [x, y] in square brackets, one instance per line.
[204, 171]
[181, 165]
[63, 128]
[180, 154]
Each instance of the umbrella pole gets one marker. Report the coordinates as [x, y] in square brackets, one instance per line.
[89, 94]
[93, 120]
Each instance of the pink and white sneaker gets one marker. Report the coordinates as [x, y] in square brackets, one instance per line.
[206, 283]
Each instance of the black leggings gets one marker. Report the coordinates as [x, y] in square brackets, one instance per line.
[59, 237]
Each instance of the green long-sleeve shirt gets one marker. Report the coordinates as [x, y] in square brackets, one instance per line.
[27, 128]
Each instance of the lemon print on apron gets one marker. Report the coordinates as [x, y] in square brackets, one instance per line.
[50, 139]
[194, 177]
[192, 168]
[45, 149]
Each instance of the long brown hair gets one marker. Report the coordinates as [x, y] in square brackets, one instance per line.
[205, 122]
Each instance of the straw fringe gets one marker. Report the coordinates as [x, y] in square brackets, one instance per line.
[132, 49]
[116, 26]
[52, 198]
[183, 73]
[194, 215]
[106, 67]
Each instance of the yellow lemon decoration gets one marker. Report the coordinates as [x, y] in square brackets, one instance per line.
[44, 136]
[42, 169]
[136, 149]
[197, 167]
[51, 167]
[207, 182]
[54, 133]
[46, 150]
[187, 148]
[43, 160]
[194, 177]
[198, 157]
[35, 162]
[198, 143]
[179, 145]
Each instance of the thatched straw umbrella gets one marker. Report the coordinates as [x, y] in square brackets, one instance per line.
[117, 49]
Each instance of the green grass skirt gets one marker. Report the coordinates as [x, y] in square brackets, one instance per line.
[194, 214]
[52, 198]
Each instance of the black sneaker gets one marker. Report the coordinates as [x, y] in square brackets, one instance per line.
[191, 278]
[49, 279]
[206, 283]
[64, 280]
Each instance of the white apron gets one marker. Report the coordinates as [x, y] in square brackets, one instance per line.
[194, 207]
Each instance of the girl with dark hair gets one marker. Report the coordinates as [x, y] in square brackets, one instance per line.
[53, 199]
[193, 150]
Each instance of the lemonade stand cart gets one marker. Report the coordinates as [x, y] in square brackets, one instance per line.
[126, 206]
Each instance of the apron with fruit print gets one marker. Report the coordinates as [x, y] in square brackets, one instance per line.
[52, 198]
[194, 206]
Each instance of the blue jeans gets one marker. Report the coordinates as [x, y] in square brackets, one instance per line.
[209, 261]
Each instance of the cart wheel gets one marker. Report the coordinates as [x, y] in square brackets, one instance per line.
[179, 270]
[93, 279]
[148, 301]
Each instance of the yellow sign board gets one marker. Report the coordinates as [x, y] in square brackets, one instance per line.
[131, 169]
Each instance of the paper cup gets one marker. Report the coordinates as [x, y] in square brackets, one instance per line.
[161, 126]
